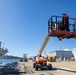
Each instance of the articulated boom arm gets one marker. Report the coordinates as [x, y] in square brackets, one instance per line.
[44, 44]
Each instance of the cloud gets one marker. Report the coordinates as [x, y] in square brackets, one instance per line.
[66, 49]
[74, 49]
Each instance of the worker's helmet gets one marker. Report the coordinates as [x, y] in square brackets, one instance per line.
[63, 14]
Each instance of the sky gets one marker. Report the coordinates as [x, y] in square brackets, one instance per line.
[24, 25]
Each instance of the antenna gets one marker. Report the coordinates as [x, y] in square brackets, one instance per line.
[60, 48]
[0, 44]
[3, 44]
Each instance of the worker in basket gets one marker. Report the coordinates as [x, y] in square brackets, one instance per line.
[65, 21]
[65, 24]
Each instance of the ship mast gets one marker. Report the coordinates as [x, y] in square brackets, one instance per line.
[0, 44]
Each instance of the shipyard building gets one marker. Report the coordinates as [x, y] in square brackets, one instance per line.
[74, 53]
[61, 54]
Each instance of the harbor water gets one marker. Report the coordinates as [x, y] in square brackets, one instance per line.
[5, 61]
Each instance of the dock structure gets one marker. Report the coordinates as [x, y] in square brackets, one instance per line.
[26, 68]
[17, 68]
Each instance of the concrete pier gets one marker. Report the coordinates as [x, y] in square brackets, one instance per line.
[59, 68]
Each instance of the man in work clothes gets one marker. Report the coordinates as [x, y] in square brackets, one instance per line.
[65, 21]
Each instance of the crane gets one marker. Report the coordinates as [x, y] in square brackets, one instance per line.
[53, 31]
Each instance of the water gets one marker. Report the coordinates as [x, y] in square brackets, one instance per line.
[5, 61]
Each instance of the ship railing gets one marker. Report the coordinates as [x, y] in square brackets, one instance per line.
[55, 21]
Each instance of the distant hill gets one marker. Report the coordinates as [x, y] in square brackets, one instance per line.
[10, 57]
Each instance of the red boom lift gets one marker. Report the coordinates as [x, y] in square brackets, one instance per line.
[53, 31]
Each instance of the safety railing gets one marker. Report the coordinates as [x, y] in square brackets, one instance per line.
[55, 22]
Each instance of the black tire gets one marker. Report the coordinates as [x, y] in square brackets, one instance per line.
[36, 67]
[33, 65]
[45, 64]
[50, 67]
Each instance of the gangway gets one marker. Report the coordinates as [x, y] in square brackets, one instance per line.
[54, 31]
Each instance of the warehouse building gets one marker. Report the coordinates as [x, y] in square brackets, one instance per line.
[61, 54]
[74, 53]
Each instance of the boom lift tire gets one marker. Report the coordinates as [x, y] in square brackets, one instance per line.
[33, 65]
[49, 66]
[36, 66]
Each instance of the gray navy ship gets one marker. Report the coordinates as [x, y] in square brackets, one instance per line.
[3, 51]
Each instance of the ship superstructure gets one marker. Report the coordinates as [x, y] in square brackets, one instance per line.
[2, 50]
